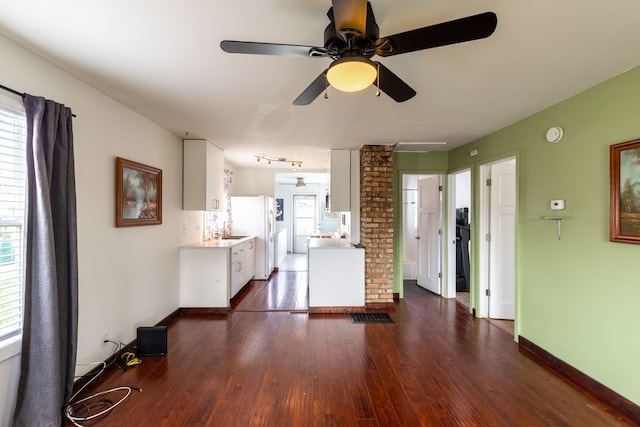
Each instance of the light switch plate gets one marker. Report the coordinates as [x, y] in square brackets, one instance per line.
[557, 205]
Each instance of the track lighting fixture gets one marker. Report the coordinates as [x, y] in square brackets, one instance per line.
[295, 164]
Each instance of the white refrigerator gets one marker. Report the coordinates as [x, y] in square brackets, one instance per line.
[255, 216]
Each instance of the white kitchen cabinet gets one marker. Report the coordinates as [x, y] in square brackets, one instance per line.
[205, 277]
[340, 193]
[203, 169]
[344, 195]
[243, 265]
[212, 272]
[249, 266]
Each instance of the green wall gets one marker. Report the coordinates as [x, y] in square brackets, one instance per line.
[577, 297]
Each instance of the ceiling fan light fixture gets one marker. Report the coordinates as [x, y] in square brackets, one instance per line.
[352, 73]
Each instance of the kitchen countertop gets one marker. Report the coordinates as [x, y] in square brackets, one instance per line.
[221, 243]
[334, 243]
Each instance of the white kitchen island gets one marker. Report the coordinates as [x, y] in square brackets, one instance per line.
[336, 275]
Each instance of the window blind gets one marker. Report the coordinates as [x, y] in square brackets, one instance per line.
[12, 214]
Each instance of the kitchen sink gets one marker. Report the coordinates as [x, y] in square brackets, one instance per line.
[233, 237]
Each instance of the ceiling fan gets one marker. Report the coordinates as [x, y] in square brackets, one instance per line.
[352, 38]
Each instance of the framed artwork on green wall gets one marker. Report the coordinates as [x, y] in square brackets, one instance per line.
[625, 192]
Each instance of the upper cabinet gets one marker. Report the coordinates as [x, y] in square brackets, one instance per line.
[202, 176]
[345, 180]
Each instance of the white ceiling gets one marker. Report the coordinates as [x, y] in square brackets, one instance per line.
[162, 58]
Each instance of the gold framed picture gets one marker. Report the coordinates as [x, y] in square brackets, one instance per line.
[138, 194]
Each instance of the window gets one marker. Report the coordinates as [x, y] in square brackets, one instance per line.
[12, 215]
[305, 215]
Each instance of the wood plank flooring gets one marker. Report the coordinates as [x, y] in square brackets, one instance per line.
[269, 363]
[284, 291]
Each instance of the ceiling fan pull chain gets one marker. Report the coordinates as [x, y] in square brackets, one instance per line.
[326, 87]
[378, 84]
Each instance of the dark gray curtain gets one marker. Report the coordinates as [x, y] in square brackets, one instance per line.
[49, 338]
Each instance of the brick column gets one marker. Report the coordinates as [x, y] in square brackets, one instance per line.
[376, 226]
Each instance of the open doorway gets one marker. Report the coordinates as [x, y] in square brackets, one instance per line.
[459, 215]
[288, 185]
[422, 226]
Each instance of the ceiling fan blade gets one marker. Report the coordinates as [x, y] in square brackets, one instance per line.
[350, 15]
[257, 48]
[313, 90]
[393, 85]
[457, 31]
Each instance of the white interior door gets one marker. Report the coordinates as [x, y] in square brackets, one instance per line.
[502, 245]
[429, 234]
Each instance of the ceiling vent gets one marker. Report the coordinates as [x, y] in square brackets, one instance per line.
[423, 147]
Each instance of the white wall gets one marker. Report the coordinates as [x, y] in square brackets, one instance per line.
[127, 276]
[254, 181]
[463, 195]
[261, 180]
[463, 190]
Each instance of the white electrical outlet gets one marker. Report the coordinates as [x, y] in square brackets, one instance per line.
[104, 337]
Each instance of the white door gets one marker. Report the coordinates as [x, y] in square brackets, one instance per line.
[304, 221]
[429, 233]
[502, 244]
[271, 233]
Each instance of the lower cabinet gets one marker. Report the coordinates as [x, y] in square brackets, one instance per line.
[243, 265]
[210, 275]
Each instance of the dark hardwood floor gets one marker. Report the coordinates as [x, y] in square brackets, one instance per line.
[269, 363]
[284, 291]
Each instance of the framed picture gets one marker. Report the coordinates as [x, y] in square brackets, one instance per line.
[625, 192]
[138, 194]
[279, 209]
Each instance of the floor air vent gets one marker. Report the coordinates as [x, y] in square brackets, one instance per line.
[371, 318]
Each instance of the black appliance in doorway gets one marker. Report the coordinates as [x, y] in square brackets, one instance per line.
[463, 236]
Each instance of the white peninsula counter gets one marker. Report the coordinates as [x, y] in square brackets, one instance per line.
[336, 275]
[212, 272]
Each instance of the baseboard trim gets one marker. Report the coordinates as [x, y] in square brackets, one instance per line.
[580, 379]
[169, 318]
[381, 306]
[202, 311]
[335, 310]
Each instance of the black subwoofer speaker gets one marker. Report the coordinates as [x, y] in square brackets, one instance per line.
[152, 341]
